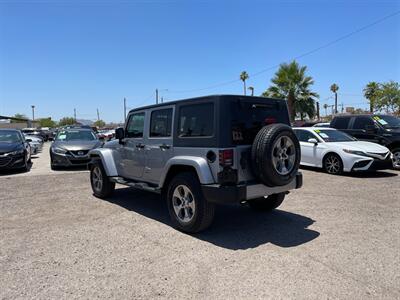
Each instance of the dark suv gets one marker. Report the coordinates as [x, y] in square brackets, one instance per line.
[381, 129]
[202, 151]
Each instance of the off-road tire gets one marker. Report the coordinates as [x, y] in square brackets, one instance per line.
[335, 171]
[204, 210]
[107, 187]
[267, 204]
[262, 151]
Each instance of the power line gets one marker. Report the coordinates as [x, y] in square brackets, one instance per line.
[341, 38]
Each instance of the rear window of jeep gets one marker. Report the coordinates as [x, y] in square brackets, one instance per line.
[196, 120]
[248, 117]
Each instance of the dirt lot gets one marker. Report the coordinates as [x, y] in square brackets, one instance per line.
[337, 237]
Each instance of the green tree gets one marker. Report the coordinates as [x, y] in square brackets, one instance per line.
[334, 89]
[388, 98]
[66, 121]
[371, 92]
[99, 123]
[243, 77]
[326, 109]
[19, 116]
[47, 122]
[291, 83]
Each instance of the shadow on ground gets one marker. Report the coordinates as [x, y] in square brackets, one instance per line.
[361, 174]
[6, 172]
[235, 227]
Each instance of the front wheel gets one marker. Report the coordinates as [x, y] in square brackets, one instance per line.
[189, 210]
[333, 164]
[101, 185]
[267, 203]
[396, 158]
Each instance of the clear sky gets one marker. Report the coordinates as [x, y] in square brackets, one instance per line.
[61, 55]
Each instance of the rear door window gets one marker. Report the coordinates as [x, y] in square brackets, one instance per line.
[341, 123]
[248, 117]
[196, 120]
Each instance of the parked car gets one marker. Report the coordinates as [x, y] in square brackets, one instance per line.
[325, 125]
[337, 152]
[15, 152]
[71, 147]
[202, 151]
[35, 142]
[35, 132]
[381, 129]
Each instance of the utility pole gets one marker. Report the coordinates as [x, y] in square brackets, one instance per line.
[318, 110]
[98, 115]
[33, 112]
[156, 96]
[75, 114]
[341, 107]
[125, 110]
[162, 99]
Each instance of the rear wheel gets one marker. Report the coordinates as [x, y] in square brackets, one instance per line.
[396, 158]
[101, 185]
[189, 210]
[333, 164]
[267, 203]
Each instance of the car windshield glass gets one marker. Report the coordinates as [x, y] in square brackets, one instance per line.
[74, 135]
[388, 121]
[333, 136]
[9, 137]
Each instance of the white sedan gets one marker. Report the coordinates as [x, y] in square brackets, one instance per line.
[337, 152]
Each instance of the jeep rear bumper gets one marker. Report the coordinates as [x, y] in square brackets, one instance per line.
[217, 193]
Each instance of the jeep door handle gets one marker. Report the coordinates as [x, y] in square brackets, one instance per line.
[165, 146]
[140, 146]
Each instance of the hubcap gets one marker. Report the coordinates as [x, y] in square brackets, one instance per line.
[183, 203]
[283, 155]
[396, 159]
[332, 164]
[97, 179]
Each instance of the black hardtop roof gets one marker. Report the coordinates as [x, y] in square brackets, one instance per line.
[203, 98]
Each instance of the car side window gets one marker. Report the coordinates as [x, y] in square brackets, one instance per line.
[362, 122]
[341, 123]
[196, 120]
[161, 123]
[135, 126]
[304, 135]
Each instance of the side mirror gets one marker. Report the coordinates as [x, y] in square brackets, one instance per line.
[28, 140]
[371, 129]
[119, 134]
[314, 141]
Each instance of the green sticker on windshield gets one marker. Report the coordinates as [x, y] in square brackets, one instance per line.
[317, 130]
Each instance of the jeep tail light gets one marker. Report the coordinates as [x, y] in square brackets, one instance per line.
[270, 120]
[226, 157]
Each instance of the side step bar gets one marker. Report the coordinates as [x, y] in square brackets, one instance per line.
[136, 184]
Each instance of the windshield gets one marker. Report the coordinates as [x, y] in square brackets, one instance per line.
[333, 136]
[388, 121]
[75, 135]
[9, 137]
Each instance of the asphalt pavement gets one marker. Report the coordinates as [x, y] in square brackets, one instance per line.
[337, 237]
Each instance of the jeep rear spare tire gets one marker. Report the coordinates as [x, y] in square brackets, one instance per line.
[275, 155]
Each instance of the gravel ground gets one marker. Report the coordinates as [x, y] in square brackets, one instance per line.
[337, 237]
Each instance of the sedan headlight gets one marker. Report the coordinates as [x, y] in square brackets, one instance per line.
[355, 152]
[20, 151]
[57, 150]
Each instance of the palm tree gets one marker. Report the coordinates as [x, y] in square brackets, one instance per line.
[326, 109]
[290, 82]
[243, 77]
[371, 91]
[334, 89]
[251, 89]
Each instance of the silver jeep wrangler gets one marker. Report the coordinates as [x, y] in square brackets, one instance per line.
[202, 151]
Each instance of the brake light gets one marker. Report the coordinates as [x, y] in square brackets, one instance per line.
[270, 121]
[226, 157]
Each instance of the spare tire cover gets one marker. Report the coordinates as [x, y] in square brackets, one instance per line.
[275, 155]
